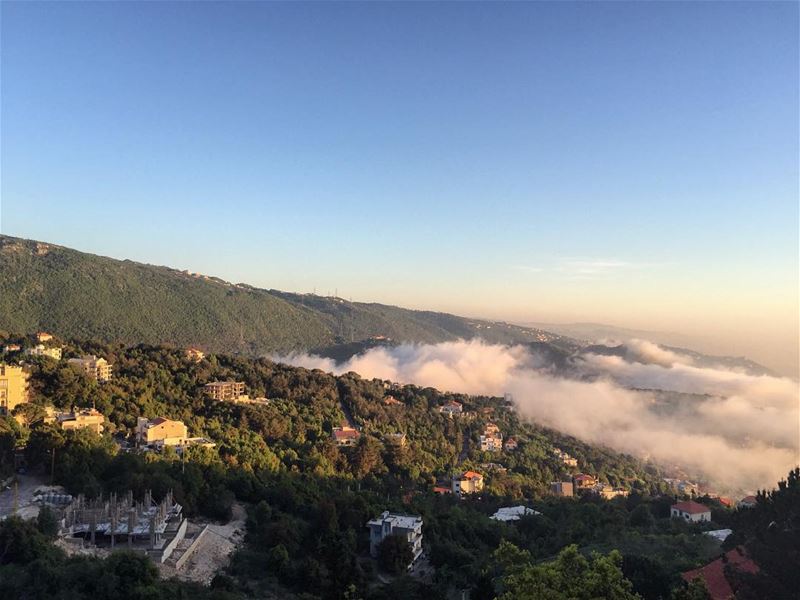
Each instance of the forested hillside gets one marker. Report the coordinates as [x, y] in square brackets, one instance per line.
[80, 295]
[308, 500]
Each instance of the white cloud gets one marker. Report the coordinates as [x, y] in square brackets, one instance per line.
[743, 438]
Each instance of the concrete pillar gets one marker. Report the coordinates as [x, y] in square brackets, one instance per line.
[113, 527]
[153, 531]
[92, 525]
[131, 525]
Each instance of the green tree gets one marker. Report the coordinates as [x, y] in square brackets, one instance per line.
[696, 590]
[570, 577]
[395, 554]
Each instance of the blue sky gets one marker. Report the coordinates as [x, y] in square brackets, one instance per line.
[630, 163]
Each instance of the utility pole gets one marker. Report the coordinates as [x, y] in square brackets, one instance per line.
[53, 466]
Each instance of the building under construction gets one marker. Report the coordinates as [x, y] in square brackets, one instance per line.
[149, 526]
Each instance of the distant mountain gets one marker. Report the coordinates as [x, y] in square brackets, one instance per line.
[601, 332]
[74, 294]
[609, 340]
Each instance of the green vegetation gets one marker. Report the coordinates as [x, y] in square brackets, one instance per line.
[308, 500]
[78, 295]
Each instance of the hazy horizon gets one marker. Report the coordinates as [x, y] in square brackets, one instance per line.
[634, 164]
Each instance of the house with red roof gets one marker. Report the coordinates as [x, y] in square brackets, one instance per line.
[718, 584]
[691, 511]
[468, 482]
[345, 436]
[746, 502]
[452, 408]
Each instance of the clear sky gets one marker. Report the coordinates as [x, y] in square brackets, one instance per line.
[635, 164]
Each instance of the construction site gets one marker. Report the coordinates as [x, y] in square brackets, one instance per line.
[155, 528]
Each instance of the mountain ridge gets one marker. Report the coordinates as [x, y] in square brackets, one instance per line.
[77, 294]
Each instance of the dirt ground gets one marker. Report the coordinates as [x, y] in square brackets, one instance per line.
[213, 552]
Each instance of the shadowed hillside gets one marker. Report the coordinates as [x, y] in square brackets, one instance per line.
[74, 294]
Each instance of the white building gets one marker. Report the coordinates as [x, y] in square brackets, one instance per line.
[513, 513]
[691, 511]
[452, 408]
[407, 526]
[719, 534]
[42, 350]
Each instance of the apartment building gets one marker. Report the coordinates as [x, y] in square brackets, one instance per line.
[13, 387]
[407, 526]
[224, 391]
[94, 367]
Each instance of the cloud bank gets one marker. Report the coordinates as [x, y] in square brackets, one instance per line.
[742, 437]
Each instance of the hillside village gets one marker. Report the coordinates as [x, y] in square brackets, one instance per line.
[485, 469]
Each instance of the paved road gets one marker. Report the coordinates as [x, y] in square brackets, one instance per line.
[26, 484]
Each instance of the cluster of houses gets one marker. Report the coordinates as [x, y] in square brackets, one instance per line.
[581, 482]
[92, 366]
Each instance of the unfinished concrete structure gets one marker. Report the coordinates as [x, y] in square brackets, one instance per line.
[148, 526]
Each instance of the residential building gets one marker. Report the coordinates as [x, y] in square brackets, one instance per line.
[392, 401]
[565, 458]
[197, 441]
[13, 387]
[195, 354]
[85, 418]
[161, 432]
[691, 511]
[441, 490]
[43, 336]
[451, 408]
[583, 481]
[513, 513]
[468, 482]
[224, 391]
[345, 436]
[94, 367]
[607, 492]
[747, 502]
[12, 348]
[493, 466]
[719, 534]
[717, 573]
[511, 444]
[562, 488]
[42, 350]
[491, 438]
[407, 526]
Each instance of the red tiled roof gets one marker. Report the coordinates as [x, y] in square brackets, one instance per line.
[691, 507]
[471, 475]
[345, 433]
[714, 573]
[438, 489]
[158, 421]
[725, 501]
